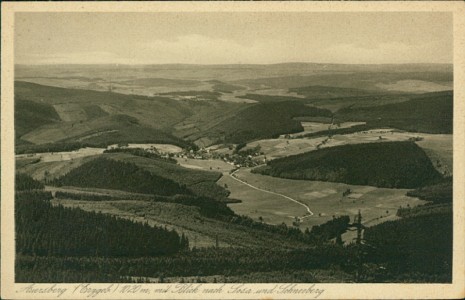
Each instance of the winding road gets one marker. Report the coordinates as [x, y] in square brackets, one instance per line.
[310, 213]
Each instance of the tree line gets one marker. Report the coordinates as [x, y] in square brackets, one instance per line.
[419, 245]
[24, 182]
[46, 230]
[112, 174]
[141, 152]
[198, 262]
[385, 164]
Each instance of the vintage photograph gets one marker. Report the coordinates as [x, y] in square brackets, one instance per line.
[233, 147]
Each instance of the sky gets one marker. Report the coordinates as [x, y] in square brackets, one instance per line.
[233, 38]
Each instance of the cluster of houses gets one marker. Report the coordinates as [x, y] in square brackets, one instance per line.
[247, 158]
[237, 159]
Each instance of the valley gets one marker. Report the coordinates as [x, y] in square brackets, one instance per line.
[233, 160]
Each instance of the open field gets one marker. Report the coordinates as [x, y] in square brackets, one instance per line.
[62, 156]
[164, 148]
[276, 148]
[323, 198]
[439, 148]
[170, 170]
[441, 144]
[52, 169]
[273, 209]
[205, 164]
[416, 86]
[310, 127]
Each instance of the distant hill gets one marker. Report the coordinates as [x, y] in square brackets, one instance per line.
[225, 87]
[263, 120]
[125, 129]
[160, 82]
[166, 111]
[334, 99]
[194, 95]
[431, 113]
[384, 164]
[367, 78]
[47, 114]
[224, 73]
[271, 98]
[324, 92]
[375, 99]
[100, 132]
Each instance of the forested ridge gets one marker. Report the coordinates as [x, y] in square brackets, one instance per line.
[431, 113]
[200, 182]
[383, 164]
[112, 174]
[46, 230]
[198, 262]
[57, 244]
[264, 120]
[437, 193]
[30, 115]
[141, 152]
[420, 245]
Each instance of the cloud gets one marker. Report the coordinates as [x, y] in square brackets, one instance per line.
[201, 49]
[392, 52]
[92, 57]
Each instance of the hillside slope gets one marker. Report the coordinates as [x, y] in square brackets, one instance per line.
[201, 183]
[416, 248]
[386, 164]
[111, 174]
[29, 115]
[326, 92]
[430, 113]
[97, 117]
[263, 120]
[379, 78]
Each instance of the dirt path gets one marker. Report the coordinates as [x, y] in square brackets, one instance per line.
[310, 213]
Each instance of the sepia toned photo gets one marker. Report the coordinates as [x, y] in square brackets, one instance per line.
[239, 153]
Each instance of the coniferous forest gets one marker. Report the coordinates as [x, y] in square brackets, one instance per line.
[386, 164]
[47, 230]
[58, 244]
[111, 174]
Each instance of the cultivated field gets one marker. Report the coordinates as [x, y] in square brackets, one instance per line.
[324, 199]
[310, 127]
[439, 149]
[273, 209]
[440, 144]
[416, 86]
[62, 156]
[164, 148]
[205, 164]
[50, 169]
